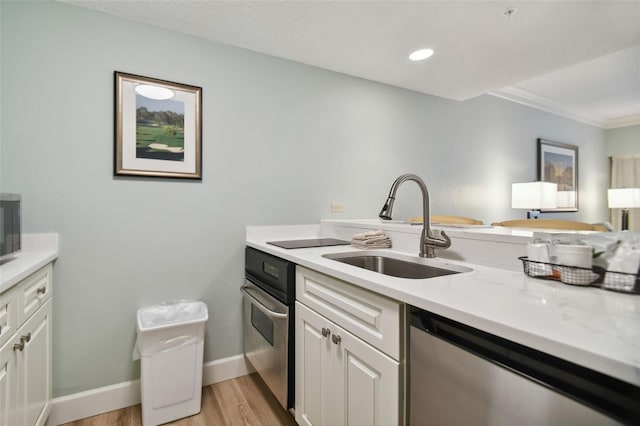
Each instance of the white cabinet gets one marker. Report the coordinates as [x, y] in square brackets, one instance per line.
[341, 379]
[8, 387]
[25, 356]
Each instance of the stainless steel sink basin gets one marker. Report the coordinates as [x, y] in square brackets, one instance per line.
[398, 265]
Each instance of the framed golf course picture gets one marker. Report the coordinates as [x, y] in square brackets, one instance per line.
[158, 128]
[558, 163]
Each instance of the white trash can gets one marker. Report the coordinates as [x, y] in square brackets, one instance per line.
[170, 346]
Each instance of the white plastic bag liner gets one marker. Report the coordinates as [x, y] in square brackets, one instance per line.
[169, 326]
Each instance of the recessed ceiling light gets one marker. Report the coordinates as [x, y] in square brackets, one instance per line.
[154, 92]
[421, 54]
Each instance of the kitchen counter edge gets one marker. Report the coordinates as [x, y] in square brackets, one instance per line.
[38, 250]
[511, 327]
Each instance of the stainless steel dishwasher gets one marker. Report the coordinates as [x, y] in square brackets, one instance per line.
[459, 375]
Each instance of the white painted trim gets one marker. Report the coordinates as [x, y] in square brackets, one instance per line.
[80, 405]
[90, 403]
[524, 97]
[225, 369]
[630, 120]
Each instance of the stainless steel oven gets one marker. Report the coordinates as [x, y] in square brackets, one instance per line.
[268, 329]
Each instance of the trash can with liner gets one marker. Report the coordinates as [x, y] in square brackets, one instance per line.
[170, 346]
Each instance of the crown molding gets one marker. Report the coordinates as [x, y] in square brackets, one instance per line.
[630, 120]
[525, 97]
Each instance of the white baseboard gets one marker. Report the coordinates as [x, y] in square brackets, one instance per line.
[89, 403]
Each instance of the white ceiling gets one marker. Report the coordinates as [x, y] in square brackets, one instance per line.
[579, 59]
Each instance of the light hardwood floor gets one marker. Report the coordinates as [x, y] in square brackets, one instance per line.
[241, 401]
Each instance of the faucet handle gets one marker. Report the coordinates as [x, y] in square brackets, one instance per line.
[438, 238]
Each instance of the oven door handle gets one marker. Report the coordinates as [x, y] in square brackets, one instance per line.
[268, 312]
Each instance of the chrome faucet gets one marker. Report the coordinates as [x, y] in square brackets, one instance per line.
[428, 238]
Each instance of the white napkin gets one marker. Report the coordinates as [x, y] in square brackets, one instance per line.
[371, 239]
[369, 234]
[538, 252]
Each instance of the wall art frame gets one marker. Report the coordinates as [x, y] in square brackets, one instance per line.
[158, 128]
[558, 163]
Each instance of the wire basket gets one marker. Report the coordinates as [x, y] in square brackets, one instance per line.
[574, 275]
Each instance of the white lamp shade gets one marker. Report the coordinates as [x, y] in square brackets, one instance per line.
[534, 195]
[624, 198]
[566, 198]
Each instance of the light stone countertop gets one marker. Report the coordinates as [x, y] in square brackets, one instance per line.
[591, 327]
[38, 250]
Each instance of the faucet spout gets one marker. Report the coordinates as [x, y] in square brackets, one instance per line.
[429, 239]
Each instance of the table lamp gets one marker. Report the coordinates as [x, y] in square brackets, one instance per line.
[625, 199]
[534, 196]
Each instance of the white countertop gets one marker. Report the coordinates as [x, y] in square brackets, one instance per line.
[479, 232]
[38, 250]
[595, 328]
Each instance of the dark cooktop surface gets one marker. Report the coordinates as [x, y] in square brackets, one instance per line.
[313, 242]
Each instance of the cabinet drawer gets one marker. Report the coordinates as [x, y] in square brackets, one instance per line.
[8, 314]
[371, 317]
[33, 292]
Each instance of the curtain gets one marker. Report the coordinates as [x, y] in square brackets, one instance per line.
[625, 173]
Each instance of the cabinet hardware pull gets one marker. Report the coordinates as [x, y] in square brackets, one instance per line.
[42, 290]
[336, 339]
[26, 338]
[18, 347]
[325, 332]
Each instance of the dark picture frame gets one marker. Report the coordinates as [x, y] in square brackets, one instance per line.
[558, 163]
[158, 128]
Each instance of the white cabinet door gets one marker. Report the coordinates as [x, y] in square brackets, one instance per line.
[341, 380]
[8, 315]
[34, 368]
[8, 383]
[366, 383]
[314, 370]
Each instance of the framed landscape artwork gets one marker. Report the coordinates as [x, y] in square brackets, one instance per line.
[558, 163]
[158, 128]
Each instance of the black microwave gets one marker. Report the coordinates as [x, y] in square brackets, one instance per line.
[10, 229]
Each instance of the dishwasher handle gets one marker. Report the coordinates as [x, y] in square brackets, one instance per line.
[422, 320]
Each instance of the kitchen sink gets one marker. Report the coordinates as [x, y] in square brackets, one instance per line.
[397, 265]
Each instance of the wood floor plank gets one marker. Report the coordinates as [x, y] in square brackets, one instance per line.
[211, 413]
[243, 401]
[265, 405]
[234, 407]
[228, 393]
[240, 415]
[187, 421]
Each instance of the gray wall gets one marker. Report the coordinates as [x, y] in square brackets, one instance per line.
[281, 142]
[623, 141]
